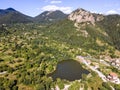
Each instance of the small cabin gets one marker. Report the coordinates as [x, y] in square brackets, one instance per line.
[113, 77]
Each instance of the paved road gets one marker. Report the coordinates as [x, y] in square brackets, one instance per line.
[102, 76]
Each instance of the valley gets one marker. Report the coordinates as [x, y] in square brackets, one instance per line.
[30, 51]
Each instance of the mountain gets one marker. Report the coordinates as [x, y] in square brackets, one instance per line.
[84, 25]
[50, 16]
[109, 24]
[10, 15]
[94, 33]
[8, 10]
[82, 16]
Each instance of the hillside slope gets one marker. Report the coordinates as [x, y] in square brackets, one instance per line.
[50, 16]
[10, 15]
[88, 33]
[111, 24]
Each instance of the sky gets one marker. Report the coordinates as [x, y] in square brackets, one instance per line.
[35, 7]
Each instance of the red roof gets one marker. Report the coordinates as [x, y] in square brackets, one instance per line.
[113, 74]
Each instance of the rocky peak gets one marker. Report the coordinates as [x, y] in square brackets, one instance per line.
[80, 15]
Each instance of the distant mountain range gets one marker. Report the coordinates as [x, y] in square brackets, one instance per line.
[11, 15]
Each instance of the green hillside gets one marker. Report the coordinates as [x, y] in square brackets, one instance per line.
[111, 24]
[96, 42]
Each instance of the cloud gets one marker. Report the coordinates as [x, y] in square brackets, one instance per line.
[66, 10]
[112, 12]
[118, 9]
[55, 2]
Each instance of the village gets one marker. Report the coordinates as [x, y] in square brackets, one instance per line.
[115, 63]
[95, 66]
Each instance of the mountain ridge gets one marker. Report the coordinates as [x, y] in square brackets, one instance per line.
[50, 16]
[11, 15]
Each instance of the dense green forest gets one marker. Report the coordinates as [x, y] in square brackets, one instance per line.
[27, 55]
[111, 24]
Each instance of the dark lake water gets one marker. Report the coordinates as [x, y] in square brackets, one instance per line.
[70, 70]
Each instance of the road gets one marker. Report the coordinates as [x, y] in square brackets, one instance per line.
[101, 75]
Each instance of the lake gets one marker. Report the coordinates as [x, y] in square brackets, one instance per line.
[70, 70]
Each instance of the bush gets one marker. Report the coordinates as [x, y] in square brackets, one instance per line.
[60, 83]
[102, 88]
[12, 83]
[15, 88]
[117, 87]
[1, 60]
[106, 85]
[40, 87]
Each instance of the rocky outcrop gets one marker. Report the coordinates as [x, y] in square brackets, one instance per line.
[81, 16]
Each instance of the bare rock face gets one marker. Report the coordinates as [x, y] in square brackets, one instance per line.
[81, 16]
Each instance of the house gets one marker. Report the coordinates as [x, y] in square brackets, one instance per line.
[115, 63]
[113, 77]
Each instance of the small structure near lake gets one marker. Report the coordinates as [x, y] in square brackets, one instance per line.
[116, 63]
[113, 77]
